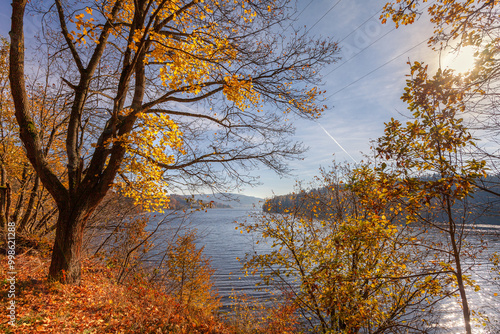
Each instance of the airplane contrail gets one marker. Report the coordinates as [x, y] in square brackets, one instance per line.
[336, 142]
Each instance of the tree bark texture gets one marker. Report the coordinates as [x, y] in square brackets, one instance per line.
[65, 265]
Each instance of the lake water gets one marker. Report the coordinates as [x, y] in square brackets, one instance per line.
[224, 244]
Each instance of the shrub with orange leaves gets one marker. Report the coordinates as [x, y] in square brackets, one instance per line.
[98, 305]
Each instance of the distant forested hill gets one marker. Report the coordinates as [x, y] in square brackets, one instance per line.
[235, 201]
[485, 201]
[220, 200]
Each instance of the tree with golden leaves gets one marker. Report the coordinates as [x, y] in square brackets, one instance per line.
[9, 151]
[426, 158]
[450, 100]
[473, 25]
[25, 202]
[345, 257]
[165, 94]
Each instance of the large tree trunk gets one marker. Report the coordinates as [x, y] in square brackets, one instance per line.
[76, 203]
[65, 265]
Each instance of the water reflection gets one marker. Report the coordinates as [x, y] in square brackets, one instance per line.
[223, 244]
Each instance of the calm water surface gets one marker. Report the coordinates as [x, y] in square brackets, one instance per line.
[224, 244]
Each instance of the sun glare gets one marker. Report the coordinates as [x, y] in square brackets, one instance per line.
[460, 62]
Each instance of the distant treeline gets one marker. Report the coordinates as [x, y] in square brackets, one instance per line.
[315, 203]
[179, 202]
[486, 199]
[285, 203]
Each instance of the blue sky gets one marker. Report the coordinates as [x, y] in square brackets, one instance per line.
[362, 89]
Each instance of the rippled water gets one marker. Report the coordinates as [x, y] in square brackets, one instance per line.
[224, 244]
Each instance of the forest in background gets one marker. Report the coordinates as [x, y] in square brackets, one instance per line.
[485, 203]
